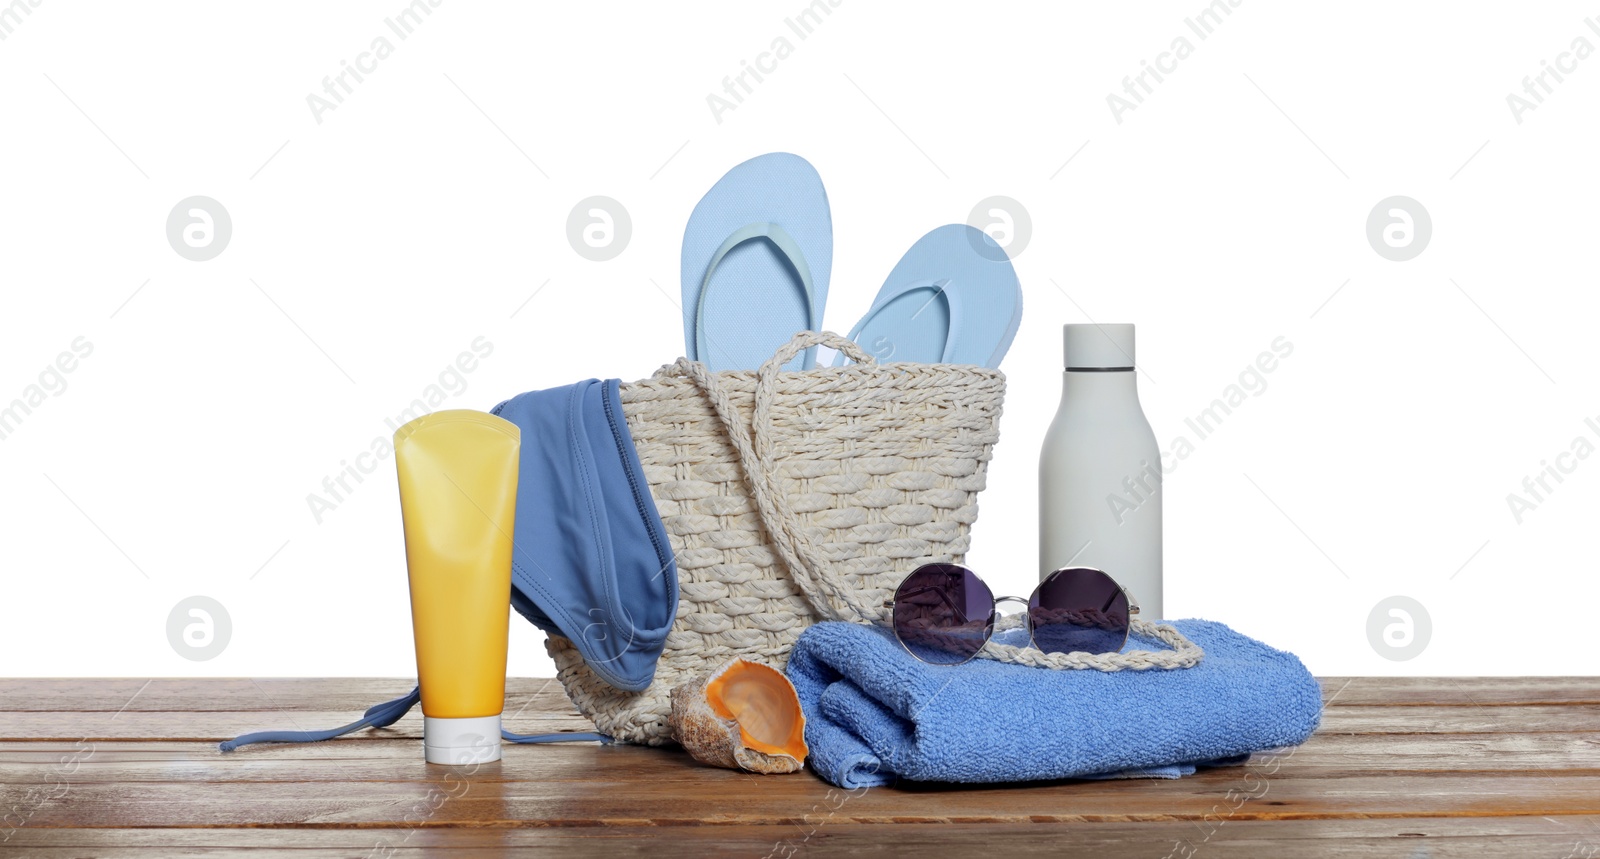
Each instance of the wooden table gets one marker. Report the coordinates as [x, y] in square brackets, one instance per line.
[1434, 767]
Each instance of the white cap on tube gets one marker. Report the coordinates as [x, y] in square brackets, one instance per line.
[460, 742]
[1107, 346]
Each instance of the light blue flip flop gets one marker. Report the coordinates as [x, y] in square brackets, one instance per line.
[756, 257]
[952, 299]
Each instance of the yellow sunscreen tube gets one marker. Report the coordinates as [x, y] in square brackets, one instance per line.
[458, 500]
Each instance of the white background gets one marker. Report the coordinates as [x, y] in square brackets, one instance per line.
[369, 249]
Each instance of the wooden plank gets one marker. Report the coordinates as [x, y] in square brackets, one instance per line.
[267, 694]
[1323, 756]
[217, 725]
[356, 694]
[629, 791]
[1459, 691]
[1431, 718]
[1436, 838]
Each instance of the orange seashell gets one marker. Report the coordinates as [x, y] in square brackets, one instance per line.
[745, 715]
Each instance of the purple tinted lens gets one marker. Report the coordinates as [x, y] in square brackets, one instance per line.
[943, 613]
[1078, 610]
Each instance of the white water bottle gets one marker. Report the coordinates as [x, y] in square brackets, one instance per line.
[1100, 470]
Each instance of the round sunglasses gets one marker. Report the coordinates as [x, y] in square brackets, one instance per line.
[944, 614]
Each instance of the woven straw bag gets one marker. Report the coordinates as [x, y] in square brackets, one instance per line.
[789, 498]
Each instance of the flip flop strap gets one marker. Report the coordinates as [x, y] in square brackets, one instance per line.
[941, 289]
[787, 247]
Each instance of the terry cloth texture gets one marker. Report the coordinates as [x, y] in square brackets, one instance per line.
[875, 714]
[590, 557]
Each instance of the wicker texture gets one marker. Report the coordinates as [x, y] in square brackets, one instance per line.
[793, 497]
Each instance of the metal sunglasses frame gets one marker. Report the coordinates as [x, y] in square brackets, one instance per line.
[994, 614]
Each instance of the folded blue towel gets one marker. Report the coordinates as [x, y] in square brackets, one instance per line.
[875, 714]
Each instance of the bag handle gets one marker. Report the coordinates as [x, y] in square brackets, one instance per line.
[798, 544]
[755, 449]
[804, 340]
